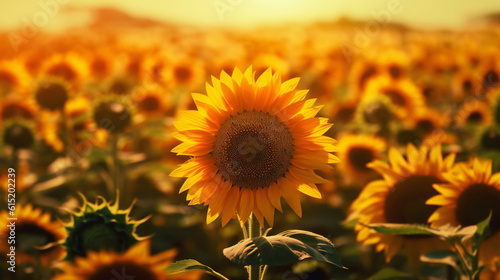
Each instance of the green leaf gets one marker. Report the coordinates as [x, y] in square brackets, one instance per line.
[446, 231]
[403, 229]
[286, 248]
[483, 230]
[189, 264]
[441, 257]
[322, 244]
[391, 274]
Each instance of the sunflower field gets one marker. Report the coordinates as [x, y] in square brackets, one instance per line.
[136, 149]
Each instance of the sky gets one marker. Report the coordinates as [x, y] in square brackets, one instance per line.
[251, 13]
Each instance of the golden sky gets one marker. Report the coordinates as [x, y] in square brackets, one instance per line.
[250, 13]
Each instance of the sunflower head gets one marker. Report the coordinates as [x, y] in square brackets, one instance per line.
[18, 134]
[470, 195]
[401, 198]
[355, 152]
[36, 234]
[100, 226]
[113, 114]
[17, 108]
[375, 111]
[52, 94]
[474, 112]
[134, 263]
[252, 142]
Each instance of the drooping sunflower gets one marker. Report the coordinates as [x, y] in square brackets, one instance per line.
[35, 235]
[400, 198]
[136, 263]
[471, 193]
[355, 152]
[100, 226]
[253, 142]
[474, 112]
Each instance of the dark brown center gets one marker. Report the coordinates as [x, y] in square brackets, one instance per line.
[405, 202]
[475, 204]
[425, 126]
[149, 103]
[475, 117]
[182, 73]
[16, 110]
[358, 157]
[30, 236]
[396, 97]
[51, 95]
[123, 270]
[253, 149]
[490, 79]
[64, 71]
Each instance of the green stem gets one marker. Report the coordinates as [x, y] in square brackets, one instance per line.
[115, 162]
[254, 231]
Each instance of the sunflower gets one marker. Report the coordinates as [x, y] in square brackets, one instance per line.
[474, 112]
[400, 198]
[394, 63]
[36, 235]
[427, 120]
[18, 134]
[13, 77]
[18, 108]
[184, 73]
[151, 101]
[354, 152]
[100, 226]
[136, 263]
[253, 142]
[471, 193]
[403, 93]
[70, 67]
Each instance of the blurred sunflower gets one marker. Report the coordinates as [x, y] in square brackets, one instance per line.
[135, 263]
[427, 120]
[403, 93]
[400, 198]
[13, 77]
[355, 152]
[100, 226]
[52, 94]
[37, 236]
[394, 63]
[151, 101]
[474, 112]
[464, 83]
[18, 134]
[253, 142]
[185, 73]
[17, 108]
[471, 193]
[71, 67]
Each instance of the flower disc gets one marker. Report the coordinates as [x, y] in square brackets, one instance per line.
[253, 150]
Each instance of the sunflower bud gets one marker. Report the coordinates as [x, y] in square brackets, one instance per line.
[98, 227]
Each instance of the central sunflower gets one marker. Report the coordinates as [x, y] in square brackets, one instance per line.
[253, 142]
